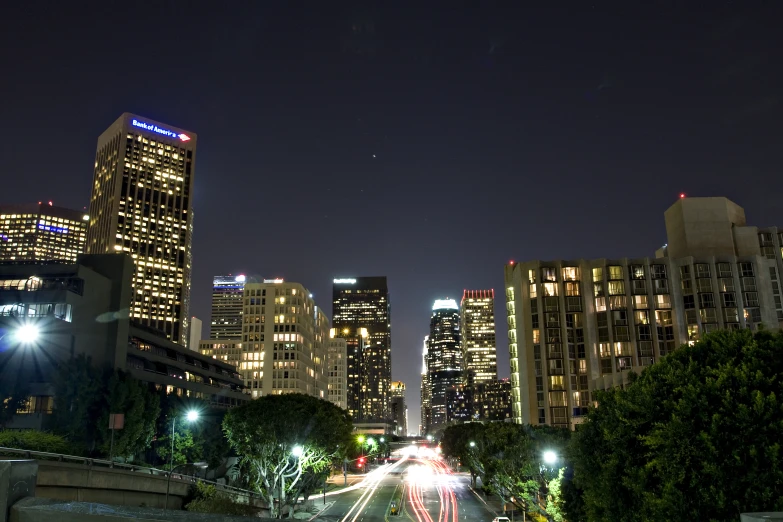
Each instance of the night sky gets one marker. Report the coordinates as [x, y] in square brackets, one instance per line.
[428, 144]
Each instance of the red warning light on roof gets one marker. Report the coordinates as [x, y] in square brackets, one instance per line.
[50, 203]
[511, 262]
[682, 195]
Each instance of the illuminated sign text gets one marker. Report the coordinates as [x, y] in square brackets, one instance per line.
[154, 128]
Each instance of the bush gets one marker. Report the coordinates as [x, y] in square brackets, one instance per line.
[209, 500]
[36, 441]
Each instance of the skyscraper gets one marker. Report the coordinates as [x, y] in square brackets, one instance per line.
[363, 303]
[576, 326]
[283, 348]
[399, 408]
[477, 324]
[227, 307]
[41, 232]
[336, 362]
[142, 204]
[444, 357]
[426, 392]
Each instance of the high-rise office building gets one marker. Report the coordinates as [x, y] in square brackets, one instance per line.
[399, 408]
[142, 204]
[363, 303]
[444, 357]
[492, 400]
[477, 324]
[337, 368]
[485, 402]
[41, 232]
[397, 389]
[581, 325]
[284, 341]
[425, 391]
[227, 303]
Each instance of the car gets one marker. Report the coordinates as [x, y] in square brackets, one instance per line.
[501, 519]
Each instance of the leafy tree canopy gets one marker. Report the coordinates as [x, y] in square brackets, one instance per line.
[289, 442]
[696, 437]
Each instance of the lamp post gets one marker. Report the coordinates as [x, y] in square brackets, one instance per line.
[472, 445]
[296, 451]
[190, 416]
[550, 459]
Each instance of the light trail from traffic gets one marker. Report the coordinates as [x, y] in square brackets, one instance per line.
[370, 483]
[437, 473]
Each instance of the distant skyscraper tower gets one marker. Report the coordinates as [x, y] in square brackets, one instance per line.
[142, 204]
[41, 232]
[399, 409]
[426, 395]
[363, 303]
[444, 356]
[477, 323]
[227, 307]
[336, 369]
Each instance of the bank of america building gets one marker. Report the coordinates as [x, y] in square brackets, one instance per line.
[142, 204]
[579, 326]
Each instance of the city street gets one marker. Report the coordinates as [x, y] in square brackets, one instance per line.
[431, 494]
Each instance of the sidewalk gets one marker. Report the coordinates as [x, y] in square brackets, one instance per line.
[493, 503]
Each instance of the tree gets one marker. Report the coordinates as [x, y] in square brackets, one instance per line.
[288, 442]
[141, 408]
[78, 401]
[696, 437]
[456, 443]
[511, 463]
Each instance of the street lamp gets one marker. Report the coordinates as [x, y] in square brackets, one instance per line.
[297, 452]
[429, 438]
[190, 416]
[27, 334]
[472, 444]
[550, 457]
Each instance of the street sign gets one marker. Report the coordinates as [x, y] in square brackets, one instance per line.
[116, 421]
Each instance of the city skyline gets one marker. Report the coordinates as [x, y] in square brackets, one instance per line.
[398, 145]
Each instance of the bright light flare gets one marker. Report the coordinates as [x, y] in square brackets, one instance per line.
[27, 334]
[192, 416]
[550, 457]
[297, 451]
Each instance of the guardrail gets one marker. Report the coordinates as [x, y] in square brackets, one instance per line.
[58, 457]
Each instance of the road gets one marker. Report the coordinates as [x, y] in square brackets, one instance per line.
[431, 494]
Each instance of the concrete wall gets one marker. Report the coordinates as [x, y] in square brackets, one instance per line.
[78, 482]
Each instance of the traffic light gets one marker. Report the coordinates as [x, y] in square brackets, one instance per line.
[361, 461]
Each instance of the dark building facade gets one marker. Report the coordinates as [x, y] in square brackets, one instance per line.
[142, 204]
[66, 310]
[444, 357]
[361, 315]
[486, 402]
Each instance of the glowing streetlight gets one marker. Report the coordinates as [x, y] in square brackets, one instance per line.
[360, 438]
[550, 457]
[190, 416]
[297, 451]
[27, 333]
[383, 440]
[472, 444]
[370, 441]
[429, 438]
